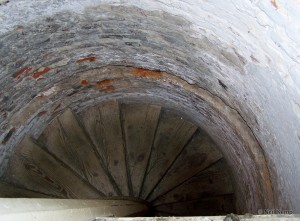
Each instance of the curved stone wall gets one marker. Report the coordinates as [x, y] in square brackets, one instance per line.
[232, 67]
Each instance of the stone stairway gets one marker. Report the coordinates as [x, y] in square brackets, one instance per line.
[117, 149]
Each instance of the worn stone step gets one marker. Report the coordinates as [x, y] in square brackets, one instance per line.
[102, 123]
[217, 205]
[8, 190]
[198, 155]
[35, 169]
[67, 140]
[173, 133]
[139, 124]
[213, 181]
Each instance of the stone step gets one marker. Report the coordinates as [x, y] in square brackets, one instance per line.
[139, 125]
[221, 205]
[8, 190]
[102, 123]
[197, 155]
[66, 139]
[172, 134]
[210, 182]
[33, 168]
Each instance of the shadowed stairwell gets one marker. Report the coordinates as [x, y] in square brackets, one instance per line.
[124, 149]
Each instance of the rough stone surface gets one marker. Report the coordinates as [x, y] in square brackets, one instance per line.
[210, 218]
[244, 53]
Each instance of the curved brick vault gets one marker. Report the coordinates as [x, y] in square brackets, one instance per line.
[231, 67]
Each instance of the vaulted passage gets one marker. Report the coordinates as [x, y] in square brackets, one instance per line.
[189, 107]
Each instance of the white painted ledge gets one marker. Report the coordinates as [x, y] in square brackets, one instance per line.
[68, 209]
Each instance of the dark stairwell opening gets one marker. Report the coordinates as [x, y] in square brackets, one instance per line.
[124, 150]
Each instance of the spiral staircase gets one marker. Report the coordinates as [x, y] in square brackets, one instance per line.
[125, 150]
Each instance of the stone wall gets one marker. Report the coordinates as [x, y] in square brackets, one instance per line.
[231, 66]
